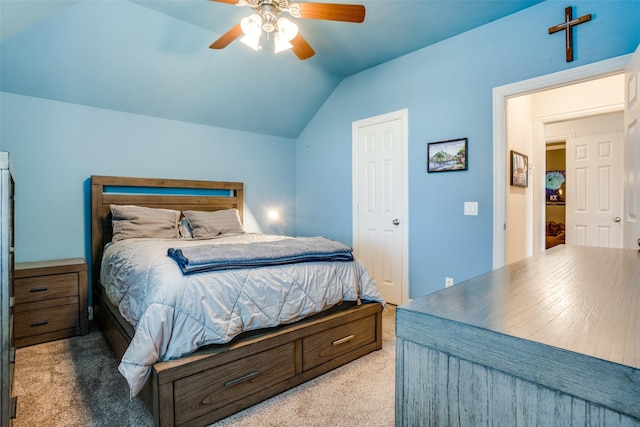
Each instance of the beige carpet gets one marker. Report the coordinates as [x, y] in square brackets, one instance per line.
[75, 382]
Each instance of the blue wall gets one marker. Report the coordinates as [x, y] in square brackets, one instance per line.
[447, 89]
[55, 148]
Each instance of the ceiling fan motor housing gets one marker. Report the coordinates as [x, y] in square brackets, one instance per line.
[269, 14]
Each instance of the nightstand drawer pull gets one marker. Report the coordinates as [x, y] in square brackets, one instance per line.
[242, 379]
[343, 340]
[39, 322]
[39, 289]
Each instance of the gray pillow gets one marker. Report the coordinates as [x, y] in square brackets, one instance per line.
[211, 224]
[136, 221]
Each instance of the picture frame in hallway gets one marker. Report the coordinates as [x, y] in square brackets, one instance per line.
[519, 169]
[447, 156]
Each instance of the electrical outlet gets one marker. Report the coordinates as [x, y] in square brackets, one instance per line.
[448, 281]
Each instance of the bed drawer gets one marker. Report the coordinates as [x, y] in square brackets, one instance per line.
[327, 345]
[233, 381]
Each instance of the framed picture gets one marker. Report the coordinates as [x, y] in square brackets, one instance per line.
[555, 187]
[519, 169]
[445, 156]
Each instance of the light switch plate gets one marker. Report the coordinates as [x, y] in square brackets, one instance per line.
[471, 208]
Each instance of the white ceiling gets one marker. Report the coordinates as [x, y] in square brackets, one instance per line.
[151, 57]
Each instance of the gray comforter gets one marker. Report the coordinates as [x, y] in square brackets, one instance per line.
[175, 314]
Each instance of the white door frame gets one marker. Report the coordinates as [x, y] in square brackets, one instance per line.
[403, 116]
[500, 165]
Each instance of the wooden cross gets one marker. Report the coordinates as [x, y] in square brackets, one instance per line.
[567, 26]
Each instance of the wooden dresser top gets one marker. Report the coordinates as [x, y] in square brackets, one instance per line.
[581, 299]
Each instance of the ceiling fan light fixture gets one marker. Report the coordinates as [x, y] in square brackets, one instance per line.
[287, 30]
[252, 28]
[280, 44]
[252, 42]
[252, 25]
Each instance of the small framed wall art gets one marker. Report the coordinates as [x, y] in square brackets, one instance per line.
[446, 156]
[555, 187]
[519, 169]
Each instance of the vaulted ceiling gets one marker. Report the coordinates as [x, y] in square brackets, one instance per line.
[151, 57]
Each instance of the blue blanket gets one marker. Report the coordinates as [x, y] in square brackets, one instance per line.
[213, 257]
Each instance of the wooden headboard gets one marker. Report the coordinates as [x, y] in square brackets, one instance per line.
[175, 194]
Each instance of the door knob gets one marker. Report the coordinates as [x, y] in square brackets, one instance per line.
[616, 219]
[395, 221]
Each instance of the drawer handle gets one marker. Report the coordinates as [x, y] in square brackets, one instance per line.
[39, 289]
[343, 340]
[40, 323]
[242, 379]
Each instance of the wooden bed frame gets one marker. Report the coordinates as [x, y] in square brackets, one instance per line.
[220, 380]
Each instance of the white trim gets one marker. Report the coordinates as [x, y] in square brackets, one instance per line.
[403, 115]
[500, 167]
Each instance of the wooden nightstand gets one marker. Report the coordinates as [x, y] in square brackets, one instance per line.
[50, 300]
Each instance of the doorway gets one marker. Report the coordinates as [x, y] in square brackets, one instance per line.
[533, 132]
[559, 114]
[555, 212]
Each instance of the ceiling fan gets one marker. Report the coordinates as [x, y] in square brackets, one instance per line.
[286, 36]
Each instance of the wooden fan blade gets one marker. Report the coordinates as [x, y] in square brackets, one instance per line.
[226, 1]
[302, 48]
[227, 38]
[333, 12]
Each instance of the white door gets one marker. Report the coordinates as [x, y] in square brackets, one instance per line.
[594, 191]
[632, 153]
[380, 220]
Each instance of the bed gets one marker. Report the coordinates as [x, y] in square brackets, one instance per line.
[554, 234]
[219, 379]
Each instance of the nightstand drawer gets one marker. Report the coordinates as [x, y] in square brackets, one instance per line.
[46, 287]
[44, 321]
